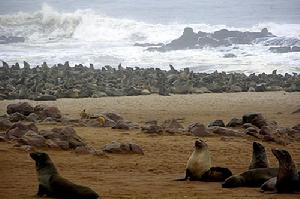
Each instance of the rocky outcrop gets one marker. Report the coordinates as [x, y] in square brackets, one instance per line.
[191, 40]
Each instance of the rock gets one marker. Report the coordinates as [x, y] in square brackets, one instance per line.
[45, 98]
[82, 150]
[123, 148]
[219, 123]
[172, 126]
[16, 117]
[93, 123]
[64, 137]
[247, 125]
[19, 129]
[265, 130]
[252, 132]
[113, 116]
[5, 124]
[198, 129]
[235, 122]
[121, 124]
[22, 107]
[152, 127]
[32, 117]
[32, 138]
[255, 118]
[51, 112]
[225, 131]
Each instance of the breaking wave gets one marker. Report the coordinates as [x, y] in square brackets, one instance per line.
[86, 25]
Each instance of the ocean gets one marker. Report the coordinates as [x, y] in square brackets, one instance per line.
[103, 32]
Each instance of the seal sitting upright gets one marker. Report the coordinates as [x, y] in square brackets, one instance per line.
[288, 180]
[199, 166]
[259, 157]
[52, 184]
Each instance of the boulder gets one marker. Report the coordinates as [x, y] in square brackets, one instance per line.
[121, 124]
[112, 116]
[252, 132]
[5, 124]
[235, 122]
[22, 107]
[219, 123]
[198, 129]
[225, 131]
[32, 138]
[32, 117]
[65, 134]
[48, 111]
[172, 126]
[255, 118]
[152, 127]
[123, 148]
[16, 117]
[19, 129]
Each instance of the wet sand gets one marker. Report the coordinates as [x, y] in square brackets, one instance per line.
[152, 175]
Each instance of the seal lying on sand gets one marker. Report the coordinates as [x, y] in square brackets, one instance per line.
[52, 184]
[199, 166]
[259, 157]
[258, 172]
[287, 180]
[250, 178]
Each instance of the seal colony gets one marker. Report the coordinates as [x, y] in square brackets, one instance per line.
[52, 184]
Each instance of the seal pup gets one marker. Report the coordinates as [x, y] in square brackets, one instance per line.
[199, 167]
[52, 184]
[250, 178]
[287, 178]
[259, 157]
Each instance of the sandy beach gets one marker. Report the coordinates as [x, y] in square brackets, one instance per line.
[152, 175]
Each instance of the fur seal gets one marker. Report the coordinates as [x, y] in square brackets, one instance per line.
[52, 184]
[199, 166]
[250, 178]
[287, 178]
[259, 157]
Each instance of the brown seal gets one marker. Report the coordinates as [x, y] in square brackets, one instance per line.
[199, 166]
[287, 178]
[259, 157]
[52, 184]
[250, 178]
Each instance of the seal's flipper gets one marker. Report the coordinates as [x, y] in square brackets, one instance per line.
[216, 174]
[187, 176]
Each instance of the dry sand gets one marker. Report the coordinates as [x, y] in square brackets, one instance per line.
[152, 175]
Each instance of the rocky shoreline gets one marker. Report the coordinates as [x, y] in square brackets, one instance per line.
[44, 83]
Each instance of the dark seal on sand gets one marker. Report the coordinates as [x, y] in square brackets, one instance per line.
[287, 178]
[52, 184]
[259, 157]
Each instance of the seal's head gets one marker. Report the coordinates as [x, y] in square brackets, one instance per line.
[39, 156]
[233, 181]
[200, 145]
[258, 147]
[282, 156]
